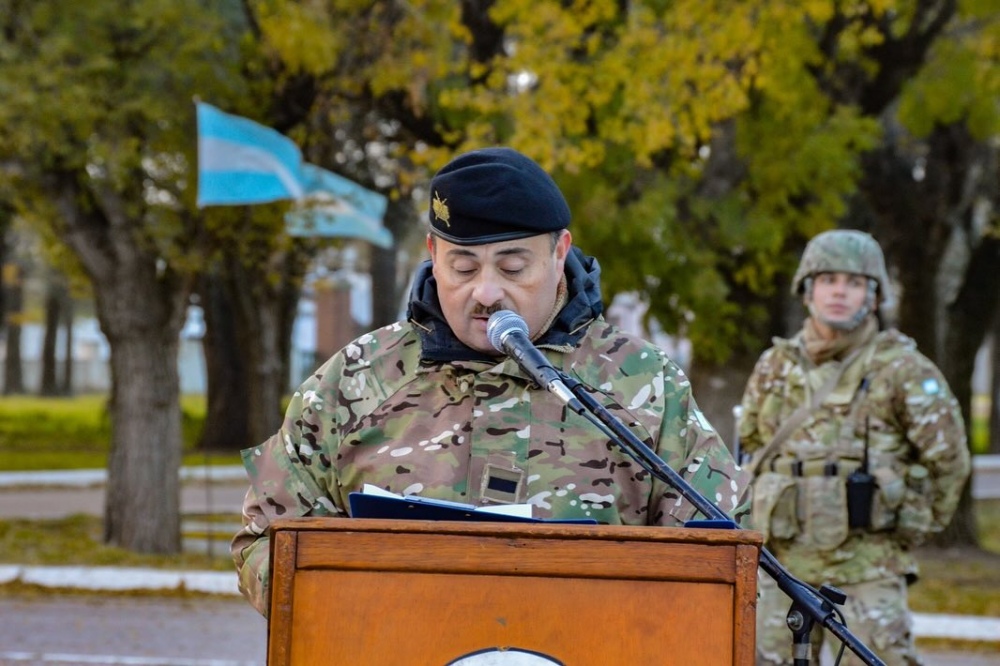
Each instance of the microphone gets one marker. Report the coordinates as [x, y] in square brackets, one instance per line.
[508, 333]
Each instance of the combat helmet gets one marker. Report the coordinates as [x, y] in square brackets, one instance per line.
[844, 251]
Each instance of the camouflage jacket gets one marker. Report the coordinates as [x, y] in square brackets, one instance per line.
[892, 404]
[381, 412]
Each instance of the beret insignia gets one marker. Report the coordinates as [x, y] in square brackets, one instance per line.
[441, 209]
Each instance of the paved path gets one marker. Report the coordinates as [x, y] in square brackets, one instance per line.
[986, 477]
[113, 630]
[37, 503]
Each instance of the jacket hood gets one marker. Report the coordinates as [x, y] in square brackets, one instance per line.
[438, 342]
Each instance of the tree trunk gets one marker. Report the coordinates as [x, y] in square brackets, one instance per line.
[6, 217]
[226, 426]
[55, 297]
[386, 296]
[994, 417]
[388, 284]
[141, 316]
[66, 388]
[13, 372]
[142, 511]
[141, 304]
[258, 337]
[965, 334]
[264, 306]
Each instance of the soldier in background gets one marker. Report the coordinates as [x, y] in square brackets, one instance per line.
[858, 452]
[428, 407]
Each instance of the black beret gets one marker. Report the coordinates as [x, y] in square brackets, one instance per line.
[494, 194]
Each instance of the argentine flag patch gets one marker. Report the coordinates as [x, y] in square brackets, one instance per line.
[931, 386]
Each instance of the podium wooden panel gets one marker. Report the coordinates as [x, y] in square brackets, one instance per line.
[401, 592]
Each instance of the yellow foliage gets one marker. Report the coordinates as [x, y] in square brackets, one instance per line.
[962, 79]
[301, 33]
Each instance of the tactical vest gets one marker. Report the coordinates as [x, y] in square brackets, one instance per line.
[810, 488]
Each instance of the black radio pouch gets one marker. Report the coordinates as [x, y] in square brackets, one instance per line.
[860, 495]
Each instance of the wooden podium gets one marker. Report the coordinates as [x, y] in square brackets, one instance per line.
[431, 593]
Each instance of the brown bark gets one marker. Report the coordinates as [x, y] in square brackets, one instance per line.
[140, 303]
[964, 337]
[142, 324]
[66, 388]
[56, 297]
[994, 417]
[142, 510]
[13, 287]
[226, 426]
[264, 306]
[386, 293]
[390, 280]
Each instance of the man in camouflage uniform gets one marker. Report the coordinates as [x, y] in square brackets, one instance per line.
[428, 407]
[858, 452]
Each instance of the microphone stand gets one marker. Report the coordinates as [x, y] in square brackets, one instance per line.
[808, 605]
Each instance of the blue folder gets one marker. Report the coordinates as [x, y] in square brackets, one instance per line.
[423, 508]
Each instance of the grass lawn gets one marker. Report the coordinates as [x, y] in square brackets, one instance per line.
[976, 573]
[76, 540]
[963, 581]
[75, 433]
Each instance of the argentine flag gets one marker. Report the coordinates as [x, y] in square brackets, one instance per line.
[241, 162]
[336, 207]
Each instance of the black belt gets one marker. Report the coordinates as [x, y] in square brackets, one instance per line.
[804, 468]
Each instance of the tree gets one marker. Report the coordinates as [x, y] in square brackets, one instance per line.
[96, 126]
[256, 274]
[115, 184]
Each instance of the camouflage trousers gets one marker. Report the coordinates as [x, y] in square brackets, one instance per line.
[876, 613]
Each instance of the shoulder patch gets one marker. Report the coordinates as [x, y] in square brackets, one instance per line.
[702, 421]
[931, 386]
